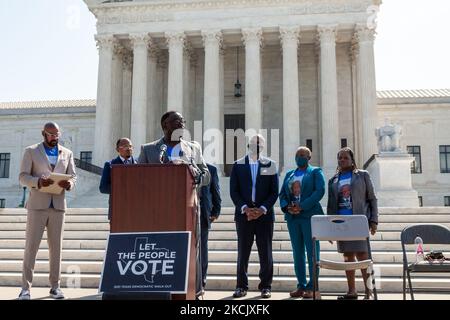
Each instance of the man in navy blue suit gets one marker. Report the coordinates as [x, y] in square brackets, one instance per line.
[210, 204]
[254, 191]
[124, 148]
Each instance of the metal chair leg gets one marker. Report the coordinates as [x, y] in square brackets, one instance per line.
[404, 284]
[410, 285]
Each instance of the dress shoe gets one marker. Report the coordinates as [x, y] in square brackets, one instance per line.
[310, 295]
[239, 293]
[298, 293]
[265, 293]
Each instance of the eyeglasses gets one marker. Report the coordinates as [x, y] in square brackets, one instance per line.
[125, 147]
[53, 135]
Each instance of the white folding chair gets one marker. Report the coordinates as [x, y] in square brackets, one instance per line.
[340, 228]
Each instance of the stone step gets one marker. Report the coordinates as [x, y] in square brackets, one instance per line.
[377, 245]
[214, 235]
[394, 226]
[67, 244]
[230, 210]
[74, 226]
[438, 218]
[280, 283]
[81, 235]
[219, 226]
[214, 256]
[15, 218]
[214, 268]
[229, 218]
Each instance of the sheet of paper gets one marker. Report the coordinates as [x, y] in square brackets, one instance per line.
[55, 188]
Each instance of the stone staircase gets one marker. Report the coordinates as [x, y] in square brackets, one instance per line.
[86, 231]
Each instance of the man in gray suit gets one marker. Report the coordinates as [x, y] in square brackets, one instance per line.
[45, 210]
[172, 148]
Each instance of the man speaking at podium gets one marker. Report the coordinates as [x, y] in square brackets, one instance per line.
[172, 148]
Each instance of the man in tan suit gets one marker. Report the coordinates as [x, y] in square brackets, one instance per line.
[45, 210]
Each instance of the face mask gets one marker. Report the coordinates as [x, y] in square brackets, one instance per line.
[301, 162]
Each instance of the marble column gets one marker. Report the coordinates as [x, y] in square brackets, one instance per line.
[368, 90]
[329, 98]
[188, 54]
[104, 99]
[126, 93]
[252, 38]
[117, 98]
[152, 99]
[175, 42]
[291, 106]
[212, 115]
[140, 44]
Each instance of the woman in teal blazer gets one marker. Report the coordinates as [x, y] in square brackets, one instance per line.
[300, 194]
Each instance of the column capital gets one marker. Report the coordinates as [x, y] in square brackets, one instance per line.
[153, 52]
[212, 37]
[364, 34]
[175, 38]
[119, 50]
[104, 41]
[327, 33]
[290, 34]
[354, 49]
[139, 40]
[252, 35]
[127, 60]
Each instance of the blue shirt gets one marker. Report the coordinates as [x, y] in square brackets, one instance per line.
[254, 166]
[345, 194]
[52, 154]
[173, 152]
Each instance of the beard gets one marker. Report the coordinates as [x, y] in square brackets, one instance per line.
[52, 143]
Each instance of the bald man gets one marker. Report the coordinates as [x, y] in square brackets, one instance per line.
[254, 191]
[124, 148]
[45, 210]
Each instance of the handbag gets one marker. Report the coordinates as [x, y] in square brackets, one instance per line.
[435, 256]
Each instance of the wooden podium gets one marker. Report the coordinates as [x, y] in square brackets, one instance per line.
[156, 197]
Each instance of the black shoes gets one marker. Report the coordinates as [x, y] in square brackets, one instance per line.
[265, 293]
[239, 293]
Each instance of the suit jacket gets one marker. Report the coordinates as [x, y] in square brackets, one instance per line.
[266, 187]
[210, 201]
[190, 150]
[364, 200]
[312, 191]
[34, 164]
[105, 182]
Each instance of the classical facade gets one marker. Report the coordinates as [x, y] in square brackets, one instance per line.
[304, 69]
[307, 69]
[423, 115]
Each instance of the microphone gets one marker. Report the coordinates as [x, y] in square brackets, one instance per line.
[163, 150]
[193, 164]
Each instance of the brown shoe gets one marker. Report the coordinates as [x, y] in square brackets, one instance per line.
[310, 295]
[297, 293]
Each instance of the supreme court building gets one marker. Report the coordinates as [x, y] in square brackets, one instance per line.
[306, 68]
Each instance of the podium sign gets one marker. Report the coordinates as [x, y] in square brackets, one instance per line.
[146, 262]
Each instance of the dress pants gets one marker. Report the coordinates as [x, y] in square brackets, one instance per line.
[37, 222]
[301, 240]
[247, 231]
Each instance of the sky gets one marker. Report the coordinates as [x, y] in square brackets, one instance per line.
[48, 50]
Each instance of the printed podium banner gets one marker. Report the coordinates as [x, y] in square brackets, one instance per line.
[146, 262]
